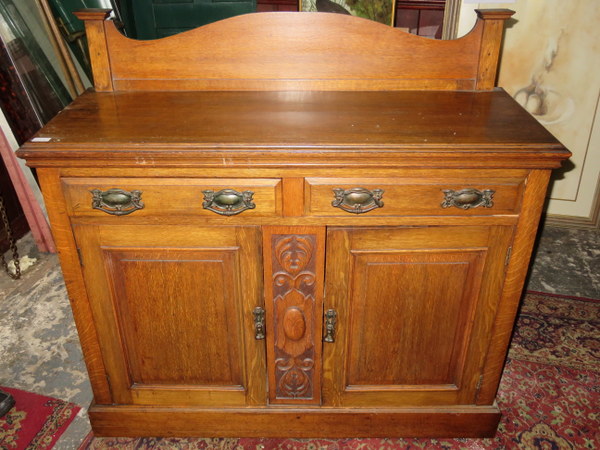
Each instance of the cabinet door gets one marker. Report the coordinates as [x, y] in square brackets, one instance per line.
[414, 313]
[173, 307]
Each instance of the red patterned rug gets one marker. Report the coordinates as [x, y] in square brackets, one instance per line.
[549, 394]
[35, 422]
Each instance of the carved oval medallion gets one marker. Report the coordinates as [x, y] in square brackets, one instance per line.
[294, 324]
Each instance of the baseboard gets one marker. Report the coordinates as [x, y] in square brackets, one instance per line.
[438, 422]
[587, 223]
[592, 222]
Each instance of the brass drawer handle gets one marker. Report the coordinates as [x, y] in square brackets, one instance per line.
[330, 322]
[357, 200]
[117, 202]
[228, 202]
[468, 198]
[259, 323]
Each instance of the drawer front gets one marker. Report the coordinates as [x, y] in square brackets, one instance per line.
[412, 197]
[142, 197]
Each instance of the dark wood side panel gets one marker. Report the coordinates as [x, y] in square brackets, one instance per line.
[294, 265]
[516, 271]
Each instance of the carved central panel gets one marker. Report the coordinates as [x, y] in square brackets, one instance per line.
[294, 303]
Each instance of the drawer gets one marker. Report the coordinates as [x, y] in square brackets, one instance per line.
[209, 197]
[411, 197]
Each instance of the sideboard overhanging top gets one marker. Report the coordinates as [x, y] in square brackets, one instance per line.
[404, 128]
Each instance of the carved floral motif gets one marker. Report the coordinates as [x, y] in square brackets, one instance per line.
[295, 377]
[294, 312]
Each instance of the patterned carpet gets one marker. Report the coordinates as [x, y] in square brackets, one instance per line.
[35, 422]
[549, 394]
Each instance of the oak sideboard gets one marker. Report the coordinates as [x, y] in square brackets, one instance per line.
[295, 225]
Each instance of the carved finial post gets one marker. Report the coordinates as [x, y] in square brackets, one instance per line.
[492, 23]
[94, 28]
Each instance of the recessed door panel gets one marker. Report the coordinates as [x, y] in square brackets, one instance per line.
[409, 316]
[182, 301]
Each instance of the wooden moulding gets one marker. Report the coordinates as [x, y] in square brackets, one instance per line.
[468, 421]
[207, 158]
[294, 51]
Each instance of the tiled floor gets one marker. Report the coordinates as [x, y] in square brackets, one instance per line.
[39, 349]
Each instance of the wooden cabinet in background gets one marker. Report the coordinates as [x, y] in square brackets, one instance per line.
[292, 239]
[421, 17]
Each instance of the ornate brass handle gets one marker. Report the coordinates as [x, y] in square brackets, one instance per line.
[468, 198]
[259, 323]
[330, 322]
[228, 202]
[118, 202]
[357, 200]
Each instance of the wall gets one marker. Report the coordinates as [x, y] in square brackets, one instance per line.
[551, 65]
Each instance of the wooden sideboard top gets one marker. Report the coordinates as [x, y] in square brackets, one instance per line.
[295, 124]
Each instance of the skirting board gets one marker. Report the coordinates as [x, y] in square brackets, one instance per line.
[590, 222]
[442, 422]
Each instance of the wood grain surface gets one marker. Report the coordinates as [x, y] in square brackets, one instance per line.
[466, 421]
[414, 307]
[174, 312]
[337, 129]
[294, 262]
[295, 51]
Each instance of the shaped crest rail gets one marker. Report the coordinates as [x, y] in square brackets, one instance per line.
[294, 51]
